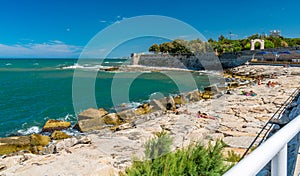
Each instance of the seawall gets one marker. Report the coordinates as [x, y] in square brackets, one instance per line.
[207, 61]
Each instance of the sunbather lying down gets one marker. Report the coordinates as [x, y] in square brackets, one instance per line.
[204, 115]
[251, 93]
[272, 84]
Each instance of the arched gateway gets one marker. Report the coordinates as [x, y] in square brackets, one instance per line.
[262, 44]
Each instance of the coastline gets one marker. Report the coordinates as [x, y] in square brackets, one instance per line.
[110, 152]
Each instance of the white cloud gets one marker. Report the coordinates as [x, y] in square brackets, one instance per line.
[102, 21]
[51, 49]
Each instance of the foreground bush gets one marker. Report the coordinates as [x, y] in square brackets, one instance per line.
[193, 160]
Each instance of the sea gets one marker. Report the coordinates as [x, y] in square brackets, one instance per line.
[35, 90]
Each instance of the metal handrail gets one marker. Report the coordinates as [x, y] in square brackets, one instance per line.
[281, 109]
[275, 149]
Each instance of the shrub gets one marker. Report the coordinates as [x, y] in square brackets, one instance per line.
[233, 157]
[193, 160]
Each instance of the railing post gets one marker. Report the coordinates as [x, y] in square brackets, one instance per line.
[279, 163]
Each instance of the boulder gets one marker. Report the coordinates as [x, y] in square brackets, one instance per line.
[92, 113]
[143, 109]
[157, 106]
[127, 115]
[193, 96]
[52, 125]
[206, 96]
[58, 135]
[14, 144]
[180, 99]
[213, 89]
[170, 103]
[39, 140]
[90, 124]
[91, 119]
[112, 119]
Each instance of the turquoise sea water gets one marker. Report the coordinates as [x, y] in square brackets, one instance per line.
[35, 90]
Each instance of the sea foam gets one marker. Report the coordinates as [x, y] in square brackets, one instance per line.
[31, 130]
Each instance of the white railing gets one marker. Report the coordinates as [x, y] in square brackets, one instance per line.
[275, 149]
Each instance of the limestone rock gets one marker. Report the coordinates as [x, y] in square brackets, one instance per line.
[90, 120]
[127, 115]
[51, 149]
[37, 139]
[238, 142]
[206, 95]
[90, 124]
[143, 109]
[123, 127]
[2, 167]
[112, 119]
[52, 125]
[14, 144]
[70, 142]
[92, 113]
[58, 135]
[170, 103]
[157, 106]
[213, 89]
[193, 96]
[180, 99]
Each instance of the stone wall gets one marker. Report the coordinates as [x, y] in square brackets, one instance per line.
[207, 61]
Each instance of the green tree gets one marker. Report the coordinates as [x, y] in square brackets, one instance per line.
[269, 44]
[154, 48]
[180, 46]
[247, 46]
[166, 47]
[221, 38]
[210, 40]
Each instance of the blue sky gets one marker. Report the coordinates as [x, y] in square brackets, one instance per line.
[61, 28]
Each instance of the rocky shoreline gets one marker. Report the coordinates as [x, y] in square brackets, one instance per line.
[107, 151]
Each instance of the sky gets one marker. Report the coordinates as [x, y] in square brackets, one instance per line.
[62, 28]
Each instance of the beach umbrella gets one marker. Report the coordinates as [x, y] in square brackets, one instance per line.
[263, 52]
[284, 52]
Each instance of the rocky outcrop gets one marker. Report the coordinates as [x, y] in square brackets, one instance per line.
[33, 143]
[52, 125]
[38, 142]
[58, 135]
[180, 99]
[91, 119]
[193, 96]
[112, 119]
[14, 144]
[143, 109]
[92, 113]
[157, 106]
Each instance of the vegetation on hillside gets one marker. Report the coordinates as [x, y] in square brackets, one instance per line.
[193, 160]
[223, 44]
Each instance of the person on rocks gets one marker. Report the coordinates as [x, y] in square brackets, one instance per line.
[259, 80]
[204, 115]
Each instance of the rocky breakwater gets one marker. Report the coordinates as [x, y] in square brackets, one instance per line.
[107, 151]
[96, 119]
[34, 143]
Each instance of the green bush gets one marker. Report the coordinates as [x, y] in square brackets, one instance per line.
[193, 160]
[233, 157]
[158, 146]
